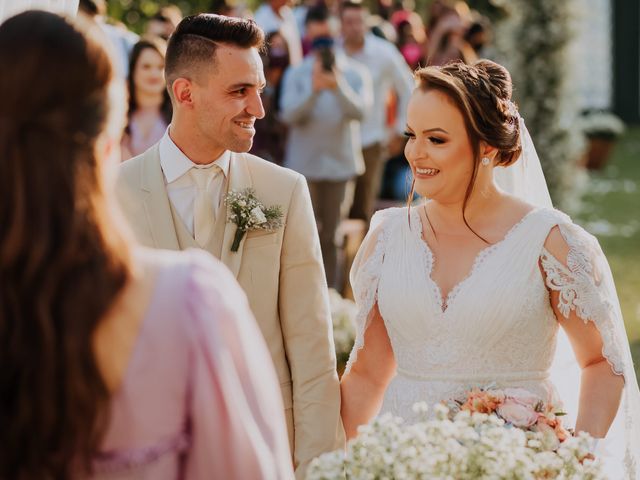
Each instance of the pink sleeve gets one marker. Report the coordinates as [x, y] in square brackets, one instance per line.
[236, 413]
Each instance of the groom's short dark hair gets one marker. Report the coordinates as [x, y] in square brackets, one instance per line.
[194, 42]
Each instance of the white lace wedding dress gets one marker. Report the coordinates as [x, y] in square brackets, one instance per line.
[497, 325]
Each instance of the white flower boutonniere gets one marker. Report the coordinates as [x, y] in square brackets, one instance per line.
[248, 213]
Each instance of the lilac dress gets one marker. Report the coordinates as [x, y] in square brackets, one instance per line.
[200, 398]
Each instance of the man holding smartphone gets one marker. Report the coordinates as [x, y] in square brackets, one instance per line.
[323, 100]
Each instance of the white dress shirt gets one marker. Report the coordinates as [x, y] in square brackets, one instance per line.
[389, 71]
[181, 187]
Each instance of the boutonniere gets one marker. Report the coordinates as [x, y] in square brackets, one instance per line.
[248, 213]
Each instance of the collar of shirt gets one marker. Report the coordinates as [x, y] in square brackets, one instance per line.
[370, 49]
[175, 164]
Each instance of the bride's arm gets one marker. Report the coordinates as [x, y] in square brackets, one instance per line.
[600, 387]
[363, 386]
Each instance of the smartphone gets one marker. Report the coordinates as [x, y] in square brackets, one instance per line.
[328, 59]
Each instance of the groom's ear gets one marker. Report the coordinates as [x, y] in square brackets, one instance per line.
[182, 90]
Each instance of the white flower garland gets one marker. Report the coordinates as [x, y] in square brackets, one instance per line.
[533, 43]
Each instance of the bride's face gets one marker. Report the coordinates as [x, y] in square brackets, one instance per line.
[438, 150]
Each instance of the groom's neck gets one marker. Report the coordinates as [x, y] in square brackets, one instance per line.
[193, 144]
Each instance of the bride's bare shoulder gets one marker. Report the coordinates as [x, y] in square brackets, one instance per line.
[516, 206]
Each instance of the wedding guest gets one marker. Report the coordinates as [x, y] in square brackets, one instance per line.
[447, 41]
[122, 40]
[379, 20]
[271, 133]
[323, 101]
[117, 361]
[479, 36]
[174, 198]
[412, 51]
[149, 103]
[277, 16]
[389, 74]
[164, 22]
[405, 12]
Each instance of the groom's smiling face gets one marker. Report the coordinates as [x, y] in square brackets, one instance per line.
[226, 98]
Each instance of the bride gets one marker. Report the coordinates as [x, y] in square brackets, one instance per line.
[485, 283]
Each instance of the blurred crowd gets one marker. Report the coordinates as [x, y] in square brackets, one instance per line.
[338, 80]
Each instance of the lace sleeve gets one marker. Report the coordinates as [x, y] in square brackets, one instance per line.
[364, 277]
[586, 286]
[581, 288]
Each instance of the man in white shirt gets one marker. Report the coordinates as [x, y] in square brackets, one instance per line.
[173, 195]
[277, 16]
[389, 73]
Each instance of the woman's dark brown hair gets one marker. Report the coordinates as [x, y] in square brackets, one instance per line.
[62, 261]
[482, 93]
[157, 45]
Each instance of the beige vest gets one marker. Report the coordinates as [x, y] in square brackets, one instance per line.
[186, 240]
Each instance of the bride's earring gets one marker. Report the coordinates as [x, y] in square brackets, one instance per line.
[486, 161]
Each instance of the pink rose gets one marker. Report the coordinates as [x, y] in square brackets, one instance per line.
[522, 396]
[517, 414]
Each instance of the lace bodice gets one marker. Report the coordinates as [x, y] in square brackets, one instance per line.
[479, 333]
[498, 325]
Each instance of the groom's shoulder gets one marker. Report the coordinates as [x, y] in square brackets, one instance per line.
[131, 171]
[264, 172]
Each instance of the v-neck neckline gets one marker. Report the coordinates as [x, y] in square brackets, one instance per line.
[444, 303]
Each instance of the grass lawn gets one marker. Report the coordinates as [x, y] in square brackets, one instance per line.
[611, 211]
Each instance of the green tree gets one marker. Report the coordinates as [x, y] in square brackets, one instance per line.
[135, 13]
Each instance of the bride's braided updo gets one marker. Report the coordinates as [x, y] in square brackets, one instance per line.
[482, 93]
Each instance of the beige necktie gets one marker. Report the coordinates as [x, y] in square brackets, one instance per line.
[203, 213]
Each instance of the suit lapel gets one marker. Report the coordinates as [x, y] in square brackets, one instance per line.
[156, 203]
[239, 179]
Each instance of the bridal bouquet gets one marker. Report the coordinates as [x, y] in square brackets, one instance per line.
[518, 408]
[464, 445]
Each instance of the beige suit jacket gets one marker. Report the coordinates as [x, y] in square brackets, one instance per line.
[282, 275]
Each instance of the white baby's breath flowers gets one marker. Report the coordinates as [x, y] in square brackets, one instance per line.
[343, 314]
[469, 446]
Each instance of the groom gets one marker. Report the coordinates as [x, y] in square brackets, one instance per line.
[173, 197]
